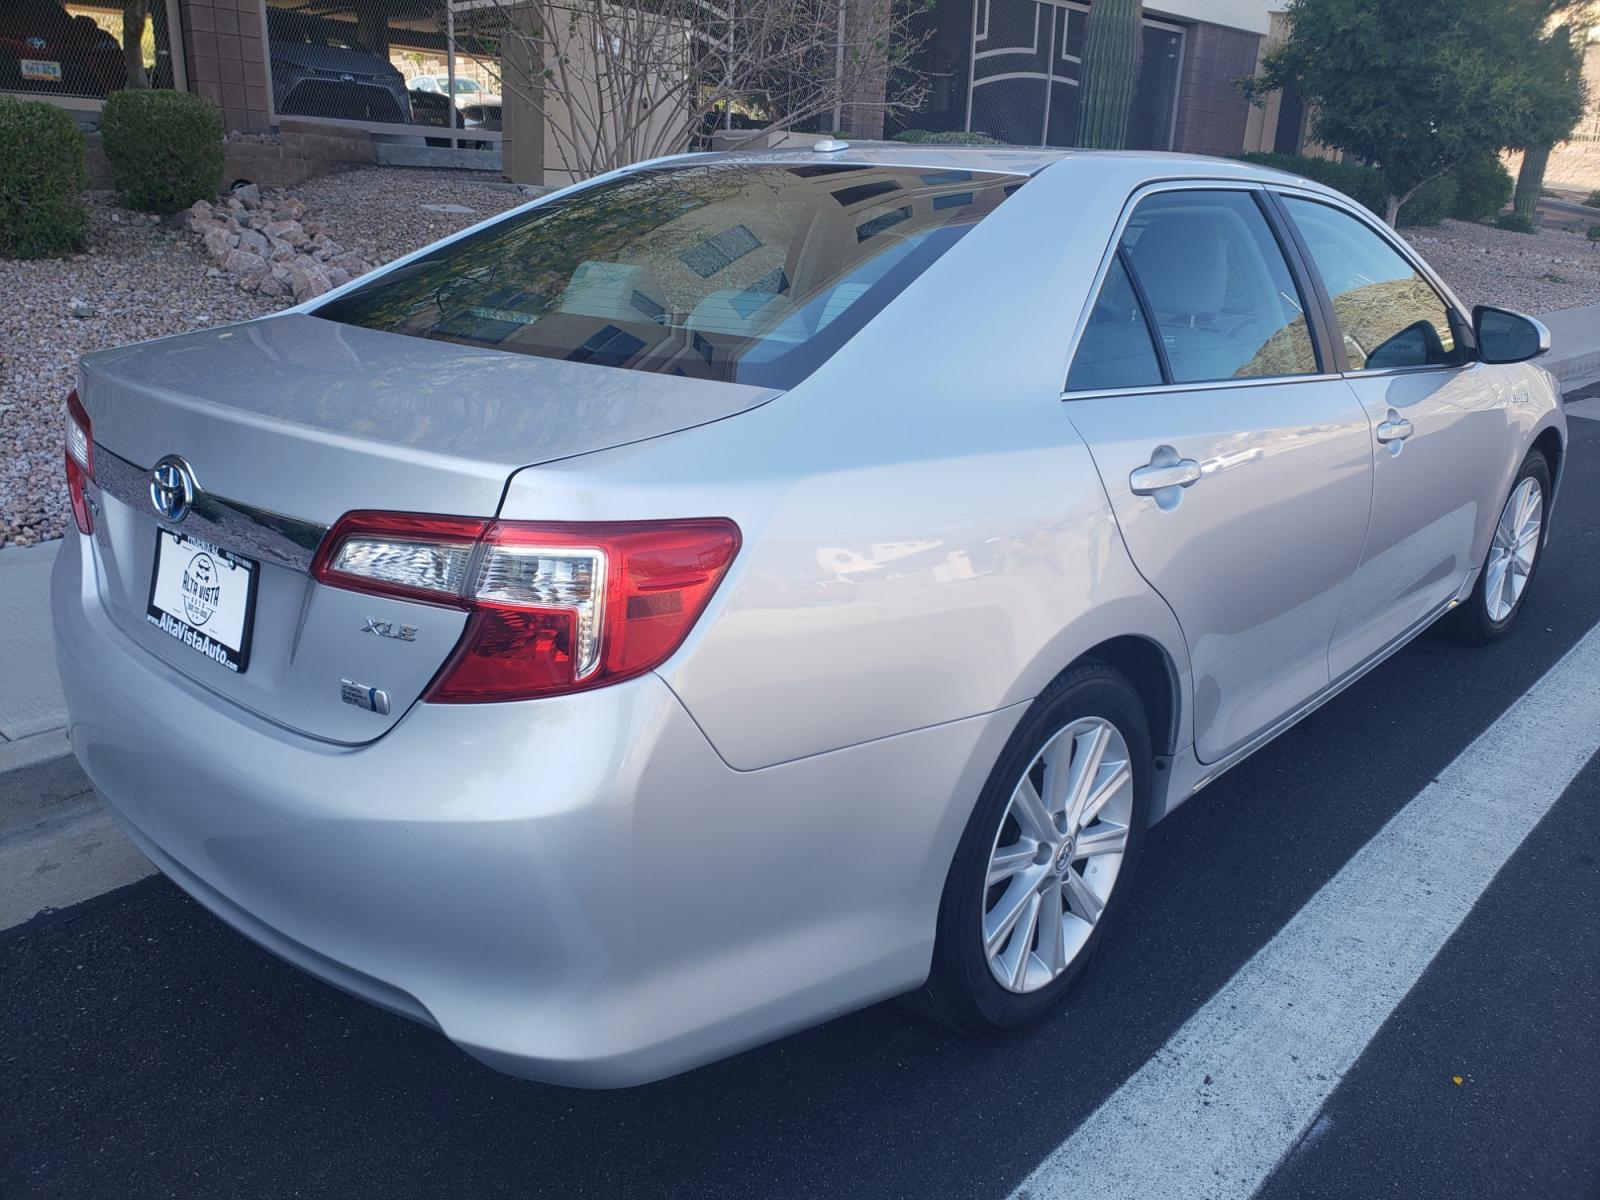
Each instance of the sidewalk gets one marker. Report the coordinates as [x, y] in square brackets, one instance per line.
[1574, 356]
[33, 715]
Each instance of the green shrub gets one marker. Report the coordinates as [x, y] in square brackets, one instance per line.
[1594, 233]
[1594, 199]
[1431, 204]
[1515, 222]
[1483, 188]
[41, 183]
[165, 148]
[945, 137]
[1363, 184]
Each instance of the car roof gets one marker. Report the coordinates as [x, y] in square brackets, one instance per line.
[1130, 166]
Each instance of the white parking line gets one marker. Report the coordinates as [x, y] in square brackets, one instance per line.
[1233, 1090]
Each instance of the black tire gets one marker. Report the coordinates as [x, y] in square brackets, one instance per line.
[961, 992]
[1471, 621]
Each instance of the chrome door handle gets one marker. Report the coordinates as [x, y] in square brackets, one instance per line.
[1146, 481]
[1395, 429]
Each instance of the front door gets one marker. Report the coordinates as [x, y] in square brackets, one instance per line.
[1439, 429]
[1240, 473]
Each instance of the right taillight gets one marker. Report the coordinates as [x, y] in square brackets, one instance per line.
[554, 607]
[80, 461]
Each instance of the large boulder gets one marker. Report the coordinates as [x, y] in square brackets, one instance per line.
[242, 262]
[307, 279]
[255, 243]
[219, 241]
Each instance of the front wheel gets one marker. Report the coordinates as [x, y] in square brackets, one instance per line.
[1513, 558]
[1045, 857]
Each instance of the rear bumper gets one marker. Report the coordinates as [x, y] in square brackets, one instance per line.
[575, 890]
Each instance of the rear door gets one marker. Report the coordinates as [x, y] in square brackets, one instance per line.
[1439, 428]
[1240, 470]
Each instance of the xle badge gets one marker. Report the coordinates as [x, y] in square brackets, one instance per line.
[388, 629]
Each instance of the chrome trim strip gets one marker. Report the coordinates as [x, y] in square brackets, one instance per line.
[257, 532]
[1215, 385]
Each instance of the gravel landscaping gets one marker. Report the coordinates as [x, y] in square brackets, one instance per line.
[141, 278]
[1532, 273]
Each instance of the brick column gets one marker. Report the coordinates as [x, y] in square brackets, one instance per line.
[224, 51]
[1212, 111]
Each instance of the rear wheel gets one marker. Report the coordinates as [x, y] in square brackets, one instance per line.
[1045, 857]
[1513, 558]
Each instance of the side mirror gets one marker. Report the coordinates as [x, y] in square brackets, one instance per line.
[1507, 337]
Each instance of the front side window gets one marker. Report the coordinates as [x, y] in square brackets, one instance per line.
[739, 272]
[1218, 291]
[1389, 314]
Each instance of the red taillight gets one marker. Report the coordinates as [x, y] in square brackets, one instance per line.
[553, 607]
[80, 461]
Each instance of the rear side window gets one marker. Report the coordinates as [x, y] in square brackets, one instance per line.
[1116, 350]
[1219, 291]
[738, 272]
[1389, 314]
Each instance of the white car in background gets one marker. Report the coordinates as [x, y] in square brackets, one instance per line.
[467, 90]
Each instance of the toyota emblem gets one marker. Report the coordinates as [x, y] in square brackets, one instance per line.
[172, 488]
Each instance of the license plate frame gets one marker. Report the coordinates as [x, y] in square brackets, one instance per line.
[204, 597]
[41, 70]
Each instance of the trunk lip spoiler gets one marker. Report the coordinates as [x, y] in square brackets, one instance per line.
[257, 532]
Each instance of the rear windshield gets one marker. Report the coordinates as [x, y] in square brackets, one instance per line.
[738, 272]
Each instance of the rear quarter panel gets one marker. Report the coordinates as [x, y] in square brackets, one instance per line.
[925, 536]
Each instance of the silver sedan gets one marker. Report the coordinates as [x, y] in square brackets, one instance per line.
[741, 588]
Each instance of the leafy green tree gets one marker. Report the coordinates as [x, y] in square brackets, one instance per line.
[1415, 86]
[1110, 69]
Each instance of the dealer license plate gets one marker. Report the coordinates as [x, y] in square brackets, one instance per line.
[204, 597]
[40, 71]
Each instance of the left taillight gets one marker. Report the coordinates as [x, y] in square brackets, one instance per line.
[553, 606]
[80, 461]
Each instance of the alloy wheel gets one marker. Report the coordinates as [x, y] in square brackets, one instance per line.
[1515, 546]
[1057, 854]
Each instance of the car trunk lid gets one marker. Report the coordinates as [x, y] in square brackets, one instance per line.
[289, 422]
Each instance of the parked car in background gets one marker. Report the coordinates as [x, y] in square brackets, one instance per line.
[468, 90]
[319, 69]
[745, 587]
[43, 49]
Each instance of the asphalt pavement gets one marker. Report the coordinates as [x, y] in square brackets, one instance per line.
[147, 1050]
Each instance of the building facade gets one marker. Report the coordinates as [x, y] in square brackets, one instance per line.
[1011, 69]
[1008, 68]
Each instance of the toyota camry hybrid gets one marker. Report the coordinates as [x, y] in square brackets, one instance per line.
[744, 587]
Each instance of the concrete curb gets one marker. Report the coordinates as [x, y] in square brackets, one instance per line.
[33, 713]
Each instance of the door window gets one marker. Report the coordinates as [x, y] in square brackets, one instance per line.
[1389, 314]
[1216, 288]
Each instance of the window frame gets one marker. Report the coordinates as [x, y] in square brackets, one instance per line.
[1461, 326]
[1317, 313]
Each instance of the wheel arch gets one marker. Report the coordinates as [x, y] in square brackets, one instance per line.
[1154, 676]
[1550, 444]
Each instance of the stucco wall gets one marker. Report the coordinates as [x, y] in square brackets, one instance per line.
[1251, 16]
